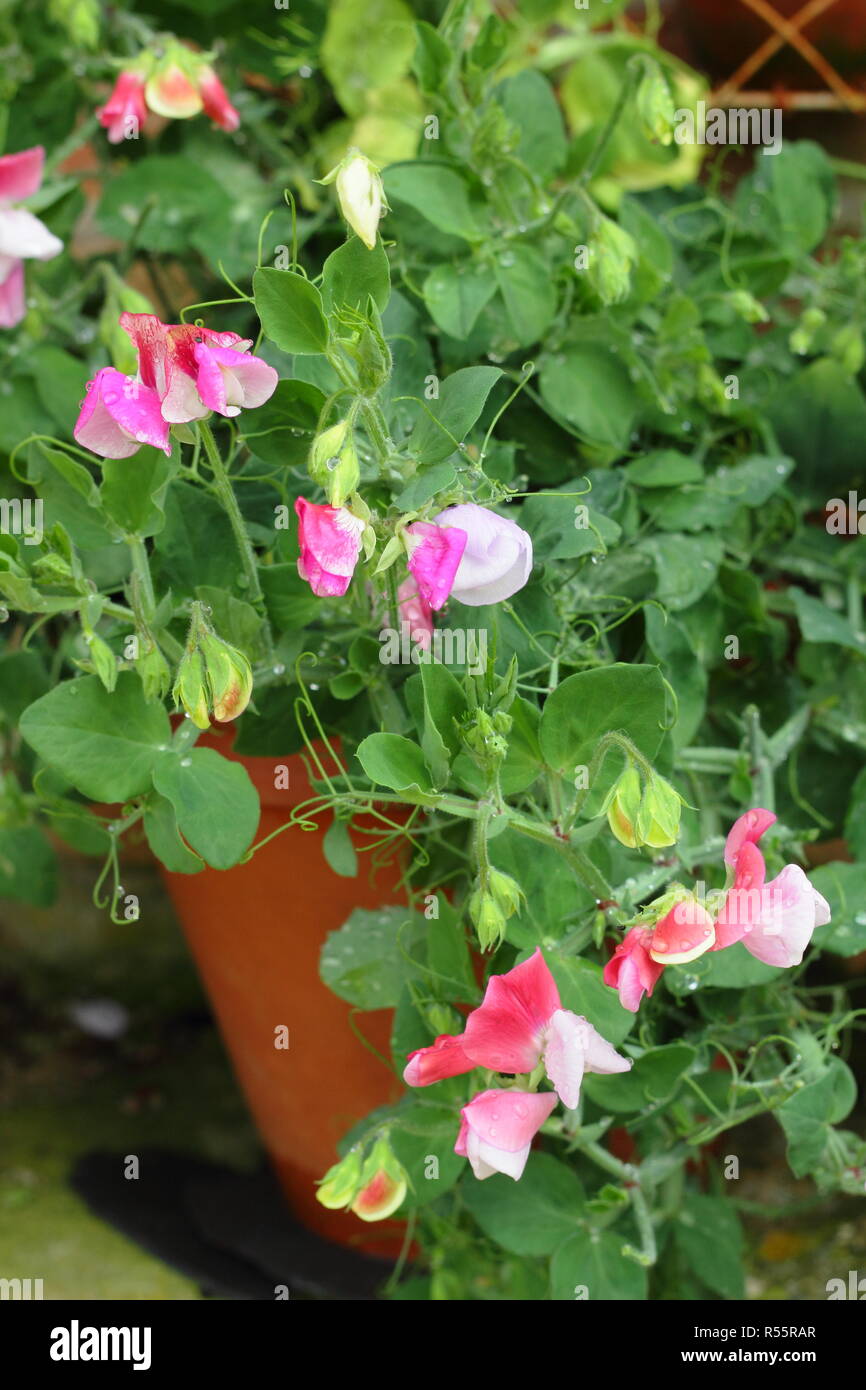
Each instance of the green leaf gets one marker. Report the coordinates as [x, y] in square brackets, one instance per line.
[422, 1131]
[281, 431]
[818, 623]
[530, 104]
[352, 274]
[844, 887]
[709, 1235]
[216, 804]
[392, 761]
[590, 388]
[686, 566]
[592, 1261]
[444, 705]
[290, 602]
[533, 1216]
[456, 294]
[365, 48]
[425, 485]
[163, 836]
[291, 311]
[735, 968]
[462, 398]
[582, 990]
[338, 849]
[529, 292]
[367, 961]
[664, 468]
[133, 493]
[655, 1077]
[586, 706]
[105, 745]
[137, 198]
[807, 1116]
[438, 193]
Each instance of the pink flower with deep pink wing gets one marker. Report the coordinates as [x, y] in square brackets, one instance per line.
[215, 100]
[22, 236]
[497, 558]
[125, 112]
[497, 1129]
[747, 829]
[118, 415]
[196, 370]
[434, 558]
[330, 543]
[632, 970]
[791, 910]
[519, 1024]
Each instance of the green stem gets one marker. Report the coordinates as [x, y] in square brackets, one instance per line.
[647, 1254]
[604, 139]
[762, 770]
[377, 429]
[143, 594]
[225, 493]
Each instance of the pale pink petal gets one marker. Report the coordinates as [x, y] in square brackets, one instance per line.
[330, 542]
[443, 1059]
[170, 92]
[12, 302]
[790, 915]
[505, 1033]
[498, 1128]
[435, 557]
[497, 560]
[573, 1047]
[747, 830]
[21, 174]
[227, 379]
[743, 902]
[118, 415]
[22, 234]
[414, 611]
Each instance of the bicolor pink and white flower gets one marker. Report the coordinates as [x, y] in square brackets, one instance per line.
[125, 112]
[520, 1025]
[497, 1129]
[196, 370]
[497, 558]
[632, 970]
[22, 236]
[118, 415]
[330, 543]
[435, 553]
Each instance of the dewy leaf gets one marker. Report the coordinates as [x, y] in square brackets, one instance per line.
[105, 745]
[352, 274]
[456, 294]
[844, 887]
[438, 193]
[392, 761]
[533, 1216]
[368, 960]
[216, 804]
[818, 623]
[588, 387]
[164, 838]
[654, 1077]
[462, 397]
[133, 496]
[807, 1116]
[529, 292]
[591, 1265]
[291, 311]
[709, 1235]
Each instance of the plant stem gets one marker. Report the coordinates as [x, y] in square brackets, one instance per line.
[225, 493]
[604, 139]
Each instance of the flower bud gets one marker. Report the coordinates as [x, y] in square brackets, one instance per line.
[803, 336]
[189, 688]
[488, 919]
[384, 1183]
[648, 816]
[229, 677]
[103, 660]
[172, 88]
[360, 194]
[340, 1184]
[655, 105]
[613, 254]
[153, 669]
[847, 347]
[333, 463]
[747, 306]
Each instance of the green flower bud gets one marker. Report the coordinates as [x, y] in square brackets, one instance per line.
[229, 677]
[441, 1018]
[488, 919]
[339, 1187]
[847, 347]
[103, 660]
[384, 1183]
[333, 463]
[52, 569]
[484, 740]
[153, 669]
[747, 306]
[189, 688]
[612, 254]
[655, 105]
[643, 816]
[803, 336]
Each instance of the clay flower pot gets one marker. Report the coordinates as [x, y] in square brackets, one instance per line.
[255, 933]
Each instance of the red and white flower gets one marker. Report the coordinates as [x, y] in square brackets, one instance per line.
[22, 236]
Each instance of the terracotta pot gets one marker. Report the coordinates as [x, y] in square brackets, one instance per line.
[726, 32]
[255, 933]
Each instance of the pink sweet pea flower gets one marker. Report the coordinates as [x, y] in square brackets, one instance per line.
[125, 112]
[497, 1129]
[791, 910]
[171, 92]
[118, 415]
[743, 902]
[216, 101]
[414, 610]
[632, 970]
[748, 829]
[22, 236]
[196, 370]
[435, 555]
[497, 559]
[330, 543]
[519, 1024]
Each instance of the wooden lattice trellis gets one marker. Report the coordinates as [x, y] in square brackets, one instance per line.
[838, 94]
